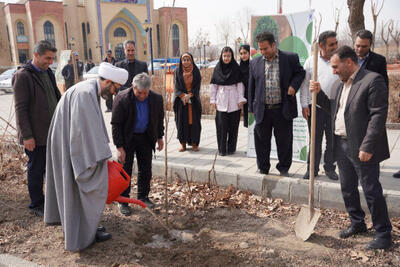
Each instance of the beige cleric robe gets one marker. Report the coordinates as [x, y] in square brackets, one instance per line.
[76, 165]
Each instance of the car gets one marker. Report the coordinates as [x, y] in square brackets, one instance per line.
[6, 86]
[212, 64]
[92, 73]
[156, 66]
[8, 73]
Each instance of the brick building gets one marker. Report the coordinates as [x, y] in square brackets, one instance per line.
[90, 27]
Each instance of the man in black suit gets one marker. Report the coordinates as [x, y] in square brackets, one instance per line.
[360, 142]
[137, 125]
[130, 63]
[274, 79]
[368, 59]
[109, 59]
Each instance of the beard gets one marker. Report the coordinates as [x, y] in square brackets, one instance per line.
[105, 93]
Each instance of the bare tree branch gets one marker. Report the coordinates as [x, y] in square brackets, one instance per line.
[375, 14]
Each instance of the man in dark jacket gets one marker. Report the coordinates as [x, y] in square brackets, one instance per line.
[366, 58]
[36, 96]
[109, 58]
[68, 74]
[137, 125]
[274, 80]
[360, 143]
[89, 65]
[130, 63]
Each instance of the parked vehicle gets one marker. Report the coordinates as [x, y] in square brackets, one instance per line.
[8, 73]
[6, 86]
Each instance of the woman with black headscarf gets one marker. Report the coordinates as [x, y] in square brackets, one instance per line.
[244, 52]
[187, 105]
[227, 96]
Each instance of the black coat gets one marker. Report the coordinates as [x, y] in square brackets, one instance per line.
[139, 67]
[124, 117]
[365, 116]
[290, 73]
[377, 63]
[181, 111]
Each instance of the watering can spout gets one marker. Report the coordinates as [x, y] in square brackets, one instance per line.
[130, 200]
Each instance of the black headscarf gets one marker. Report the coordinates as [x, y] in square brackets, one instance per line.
[244, 65]
[226, 74]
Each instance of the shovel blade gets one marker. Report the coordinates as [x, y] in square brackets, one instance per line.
[306, 221]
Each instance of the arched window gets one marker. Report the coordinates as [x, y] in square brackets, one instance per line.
[49, 32]
[90, 54]
[119, 52]
[119, 32]
[20, 28]
[175, 40]
[88, 27]
[84, 41]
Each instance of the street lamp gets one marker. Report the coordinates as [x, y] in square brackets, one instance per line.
[238, 40]
[149, 29]
[205, 44]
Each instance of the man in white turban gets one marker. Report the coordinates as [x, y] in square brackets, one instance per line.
[77, 153]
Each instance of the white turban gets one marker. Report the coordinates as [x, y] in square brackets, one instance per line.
[115, 74]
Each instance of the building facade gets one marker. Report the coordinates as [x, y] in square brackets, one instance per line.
[90, 27]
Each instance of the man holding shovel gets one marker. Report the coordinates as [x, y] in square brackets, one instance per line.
[360, 143]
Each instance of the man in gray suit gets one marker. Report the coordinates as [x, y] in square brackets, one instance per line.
[360, 142]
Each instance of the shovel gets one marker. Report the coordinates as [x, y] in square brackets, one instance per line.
[308, 216]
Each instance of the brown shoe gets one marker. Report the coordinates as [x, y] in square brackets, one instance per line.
[195, 148]
[183, 148]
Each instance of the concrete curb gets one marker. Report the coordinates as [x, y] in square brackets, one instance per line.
[7, 260]
[294, 190]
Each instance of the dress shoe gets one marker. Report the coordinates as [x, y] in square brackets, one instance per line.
[108, 110]
[396, 174]
[38, 211]
[222, 154]
[101, 229]
[148, 202]
[353, 230]
[283, 173]
[332, 175]
[307, 175]
[125, 209]
[102, 236]
[380, 243]
[263, 172]
[183, 147]
[231, 152]
[53, 224]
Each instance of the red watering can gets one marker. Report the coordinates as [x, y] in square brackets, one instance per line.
[118, 181]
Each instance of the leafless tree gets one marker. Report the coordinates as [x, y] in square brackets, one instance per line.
[356, 16]
[395, 34]
[375, 9]
[336, 16]
[243, 20]
[224, 29]
[200, 39]
[385, 36]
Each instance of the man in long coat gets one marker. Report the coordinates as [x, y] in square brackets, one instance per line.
[77, 153]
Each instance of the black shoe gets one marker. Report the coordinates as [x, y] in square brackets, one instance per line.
[222, 154]
[396, 174]
[231, 152]
[53, 224]
[148, 202]
[102, 236]
[101, 229]
[263, 172]
[125, 209]
[283, 173]
[332, 175]
[108, 110]
[38, 211]
[379, 243]
[353, 230]
[307, 175]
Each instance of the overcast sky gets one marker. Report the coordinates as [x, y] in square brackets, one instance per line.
[207, 14]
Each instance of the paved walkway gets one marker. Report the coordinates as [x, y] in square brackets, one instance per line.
[240, 170]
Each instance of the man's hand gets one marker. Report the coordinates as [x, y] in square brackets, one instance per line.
[306, 113]
[364, 156]
[30, 144]
[314, 86]
[291, 91]
[160, 143]
[121, 155]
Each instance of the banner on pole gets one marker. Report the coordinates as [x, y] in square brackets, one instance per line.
[293, 32]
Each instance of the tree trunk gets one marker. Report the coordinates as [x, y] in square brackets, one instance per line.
[356, 16]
